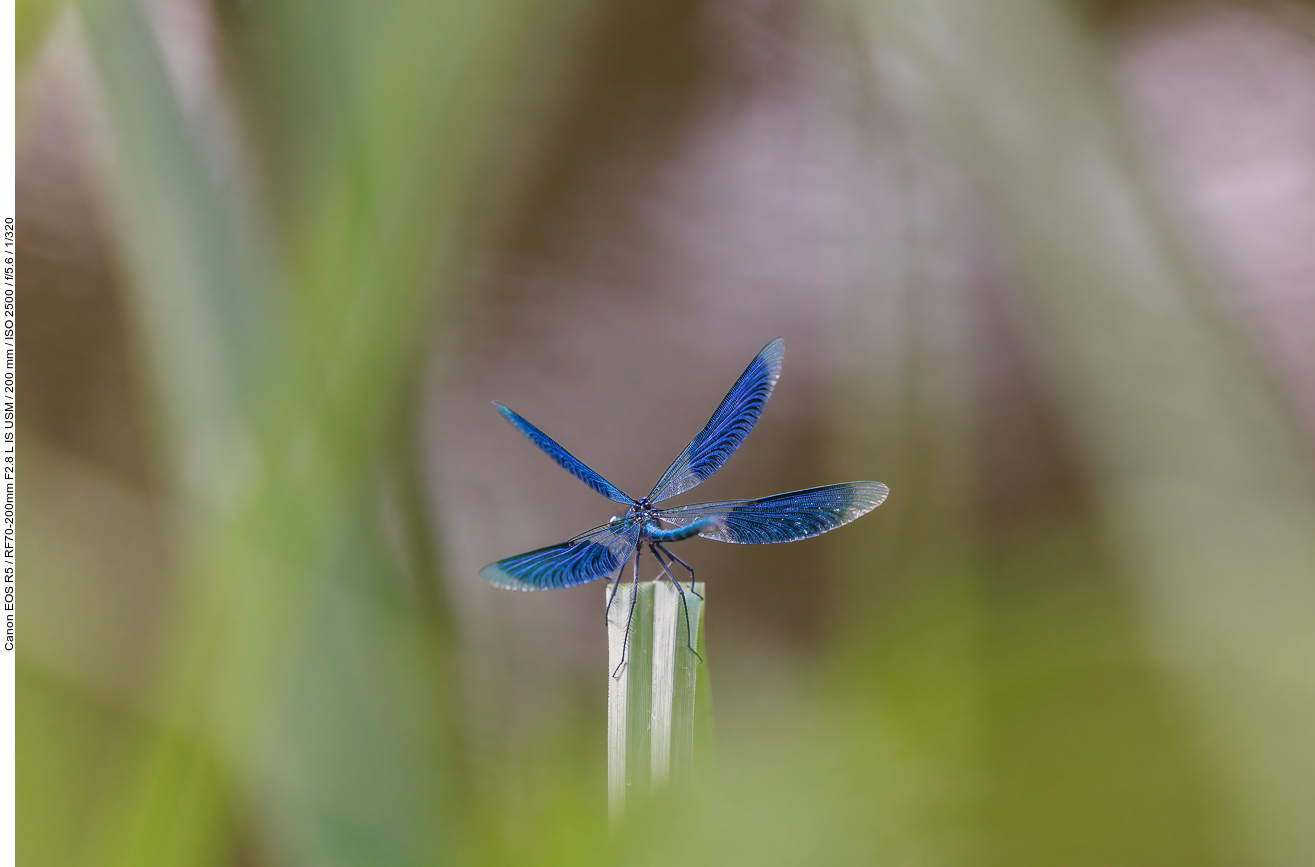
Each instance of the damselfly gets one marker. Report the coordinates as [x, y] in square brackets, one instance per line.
[766, 520]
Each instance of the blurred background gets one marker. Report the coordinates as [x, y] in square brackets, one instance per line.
[1046, 269]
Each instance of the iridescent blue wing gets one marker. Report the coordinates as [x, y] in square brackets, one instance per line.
[588, 556]
[783, 517]
[565, 459]
[727, 428]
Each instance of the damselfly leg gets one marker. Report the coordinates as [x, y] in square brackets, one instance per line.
[615, 586]
[688, 568]
[634, 599]
[684, 605]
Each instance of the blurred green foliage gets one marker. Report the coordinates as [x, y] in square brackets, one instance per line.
[32, 20]
[1087, 686]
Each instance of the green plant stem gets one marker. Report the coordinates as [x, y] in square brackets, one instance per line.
[651, 700]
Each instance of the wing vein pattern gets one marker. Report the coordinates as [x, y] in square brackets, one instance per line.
[783, 517]
[729, 425]
[585, 558]
[565, 459]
